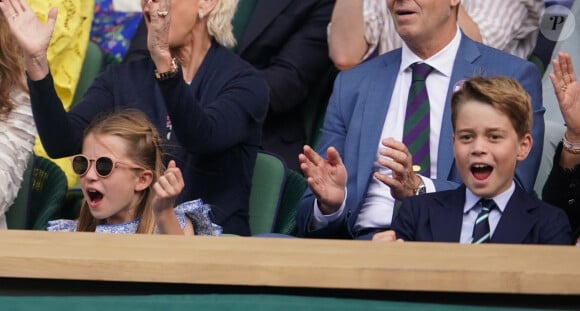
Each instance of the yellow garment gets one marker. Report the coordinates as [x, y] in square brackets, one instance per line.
[66, 53]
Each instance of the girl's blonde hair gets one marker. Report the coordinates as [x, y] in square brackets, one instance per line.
[143, 146]
[219, 22]
[11, 67]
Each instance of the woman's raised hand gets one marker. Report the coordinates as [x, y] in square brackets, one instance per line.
[32, 34]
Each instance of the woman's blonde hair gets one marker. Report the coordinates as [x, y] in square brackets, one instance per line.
[143, 146]
[219, 22]
[11, 67]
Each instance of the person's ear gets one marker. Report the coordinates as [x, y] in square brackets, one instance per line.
[205, 7]
[145, 178]
[525, 146]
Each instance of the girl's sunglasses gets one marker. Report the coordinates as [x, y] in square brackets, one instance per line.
[103, 165]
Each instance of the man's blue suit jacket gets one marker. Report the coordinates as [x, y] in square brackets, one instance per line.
[437, 217]
[358, 108]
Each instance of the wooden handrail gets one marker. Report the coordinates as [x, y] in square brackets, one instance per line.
[279, 262]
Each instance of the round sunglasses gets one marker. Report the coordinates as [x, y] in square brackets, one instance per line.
[103, 165]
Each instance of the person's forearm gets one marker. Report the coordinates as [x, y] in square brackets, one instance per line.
[167, 223]
[468, 26]
[346, 40]
[36, 67]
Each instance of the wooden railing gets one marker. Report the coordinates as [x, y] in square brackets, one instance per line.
[279, 262]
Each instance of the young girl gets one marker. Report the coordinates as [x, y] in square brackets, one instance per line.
[123, 184]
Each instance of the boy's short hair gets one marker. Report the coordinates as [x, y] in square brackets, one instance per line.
[503, 93]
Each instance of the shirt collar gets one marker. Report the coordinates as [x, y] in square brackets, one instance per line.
[442, 61]
[501, 200]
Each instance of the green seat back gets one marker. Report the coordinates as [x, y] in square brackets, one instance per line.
[293, 191]
[267, 188]
[41, 196]
[49, 187]
[92, 66]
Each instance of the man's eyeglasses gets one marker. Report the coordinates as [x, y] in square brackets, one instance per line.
[103, 165]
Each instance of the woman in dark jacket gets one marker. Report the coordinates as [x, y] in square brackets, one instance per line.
[207, 103]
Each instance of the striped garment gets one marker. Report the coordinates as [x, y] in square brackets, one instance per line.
[508, 25]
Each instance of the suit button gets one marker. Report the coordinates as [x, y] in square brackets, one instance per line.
[572, 186]
[571, 202]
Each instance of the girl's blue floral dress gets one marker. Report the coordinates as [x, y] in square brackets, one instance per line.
[196, 211]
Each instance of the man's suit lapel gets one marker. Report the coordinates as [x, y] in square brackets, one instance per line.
[464, 67]
[446, 216]
[515, 222]
[375, 108]
[264, 13]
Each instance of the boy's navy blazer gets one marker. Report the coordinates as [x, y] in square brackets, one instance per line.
[438, 217]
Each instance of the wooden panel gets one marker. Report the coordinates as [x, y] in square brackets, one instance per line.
[438, 267]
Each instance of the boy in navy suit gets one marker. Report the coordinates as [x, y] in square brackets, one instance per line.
[491, 119]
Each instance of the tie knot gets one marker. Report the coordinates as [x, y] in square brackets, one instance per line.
[487, 204]
[421, 71]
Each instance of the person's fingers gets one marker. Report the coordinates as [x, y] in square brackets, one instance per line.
[557, 69]
[569, 68]
[159, 190]
[20, 6]
[15, 8]
[178, 176]
[397, 169]
[555, 82]
[51, 20]
[333, 156]
[7, 9]
[388, 236]
[389, 181]
[171, 179]
[312, 155]
[564, 70]
[163, 182]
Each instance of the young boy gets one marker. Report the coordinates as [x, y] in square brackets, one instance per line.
[491, 119]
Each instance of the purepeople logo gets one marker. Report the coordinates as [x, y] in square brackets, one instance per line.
[557, 23]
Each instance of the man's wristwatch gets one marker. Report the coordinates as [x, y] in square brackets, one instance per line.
[168, 74]
[421, 188]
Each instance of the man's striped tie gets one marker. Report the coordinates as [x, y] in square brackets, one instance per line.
[417, 123]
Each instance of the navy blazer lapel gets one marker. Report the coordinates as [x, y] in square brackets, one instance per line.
[264, 13]
[464, 67]
[446, 216]
[375, 107]
[515, 222]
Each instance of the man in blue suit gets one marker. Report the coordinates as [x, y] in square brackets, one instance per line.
[491, 120]
[352, 191]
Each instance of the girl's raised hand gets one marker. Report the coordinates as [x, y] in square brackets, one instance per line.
[168, 187]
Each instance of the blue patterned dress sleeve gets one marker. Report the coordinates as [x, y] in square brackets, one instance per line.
[196, 211]
[62, 225]
[199, 215]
